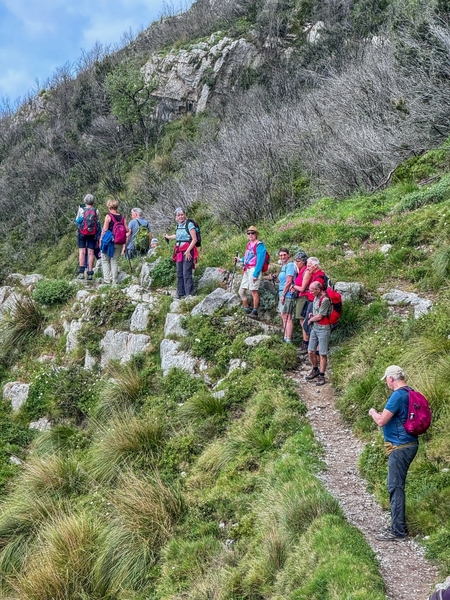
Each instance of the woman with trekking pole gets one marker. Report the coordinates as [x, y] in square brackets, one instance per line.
[286, 301]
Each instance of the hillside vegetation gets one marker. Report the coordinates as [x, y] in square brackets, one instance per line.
[148, 485]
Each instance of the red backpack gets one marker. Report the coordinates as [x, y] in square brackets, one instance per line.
[119, 232]
[89, 223]
[419, 413]
[336, 308]
[336, 303]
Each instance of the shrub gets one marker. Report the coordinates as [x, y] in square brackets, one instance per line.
[164, 273]
[20, 326]
[110, 308]
[61, 394]
[51, 292]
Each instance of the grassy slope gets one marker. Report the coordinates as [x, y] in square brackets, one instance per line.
[171, 491]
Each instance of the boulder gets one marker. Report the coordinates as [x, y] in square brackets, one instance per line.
[349, 290]
[212, 276]
[17, 393]
[139, 318]
[72, 332]
[122, 345]
[214, 301]
[42, 424]
[173, 325]
[171, 358]
[400, 298]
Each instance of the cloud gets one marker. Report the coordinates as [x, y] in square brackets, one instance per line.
[38, 37]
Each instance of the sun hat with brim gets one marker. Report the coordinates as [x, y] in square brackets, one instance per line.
[393, 371]
[252, 229]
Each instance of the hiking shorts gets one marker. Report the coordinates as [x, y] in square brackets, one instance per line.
[288, 307]
[247, 282]
[86, 241]
[319, 337]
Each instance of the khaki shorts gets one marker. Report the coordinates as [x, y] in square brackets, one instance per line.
[300, 303]
[247, 282]
[287, 308]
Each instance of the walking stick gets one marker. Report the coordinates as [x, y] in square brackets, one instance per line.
[230, 285]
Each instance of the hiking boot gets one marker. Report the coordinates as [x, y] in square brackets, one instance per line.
[389, 536]
[304, 348]
[320, 380]
[253, 314]
[80, 275]
[312, 374]
[90, 275]
[247, 310]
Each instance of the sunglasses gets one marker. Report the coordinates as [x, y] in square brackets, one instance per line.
[251, 232]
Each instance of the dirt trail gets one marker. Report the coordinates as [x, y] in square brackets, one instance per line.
[406, 572]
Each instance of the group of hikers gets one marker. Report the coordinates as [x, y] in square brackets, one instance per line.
[302, 294]
[115, 238]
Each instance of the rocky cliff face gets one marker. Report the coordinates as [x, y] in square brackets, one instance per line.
[187, 80]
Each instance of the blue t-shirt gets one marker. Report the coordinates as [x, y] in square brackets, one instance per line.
[394, 431]
[287, 269]
[181, 235]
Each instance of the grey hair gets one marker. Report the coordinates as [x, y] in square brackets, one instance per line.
[314, 260]
[88, 199]
[179, 211]
[138, 211]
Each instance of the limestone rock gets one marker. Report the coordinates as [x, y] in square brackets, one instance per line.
[349, 290]
[74, 328]
[42, 424]
[122, 345]
[254, 340]
[17, 393]
[214, 301]
[173, 325]
[139, 318]
[186, 80]
[171, 358]
[400, 298]
[212, 275]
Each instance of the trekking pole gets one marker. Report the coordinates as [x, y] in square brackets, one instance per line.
[230, 286]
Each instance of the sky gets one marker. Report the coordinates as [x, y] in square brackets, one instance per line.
[39, 36]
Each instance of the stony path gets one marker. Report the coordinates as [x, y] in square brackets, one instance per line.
[406, 572]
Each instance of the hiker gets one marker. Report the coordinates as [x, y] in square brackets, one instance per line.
[320, 330]
[253, 261]
[401, 448]
[137, 243]
[185, 253]
[301, 286]
[88, 222]
[112, 241]
[286, 302]
[313, 266]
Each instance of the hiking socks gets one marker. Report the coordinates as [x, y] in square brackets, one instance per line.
[81, 272]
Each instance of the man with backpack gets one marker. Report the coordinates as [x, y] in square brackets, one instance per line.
[401, 448]
[139, 235]
[320, 330]
[253, 265]
[88, 222]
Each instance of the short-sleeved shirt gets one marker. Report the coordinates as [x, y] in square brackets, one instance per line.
[321, 306]
[394, 430]
[287, 270]
[181, 235]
